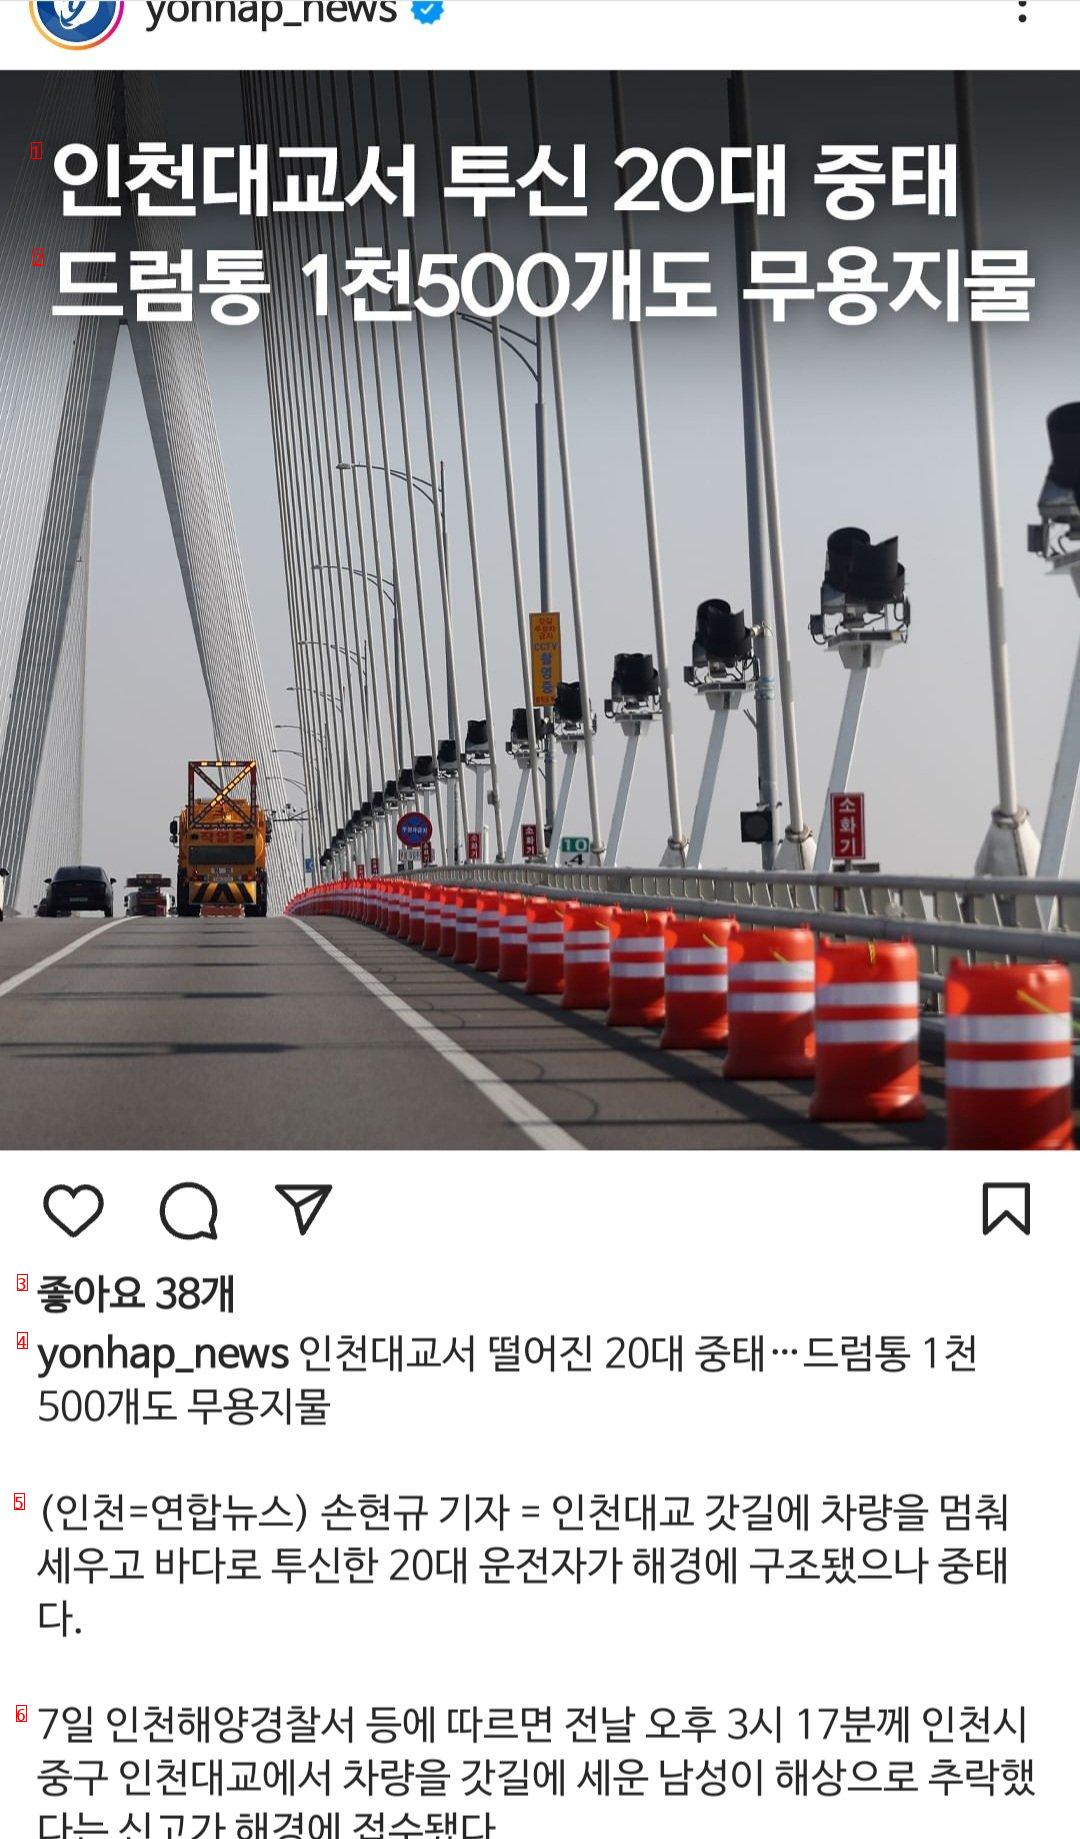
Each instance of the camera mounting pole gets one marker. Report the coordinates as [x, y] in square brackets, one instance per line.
[721, 702]
[1011, 845]
[635, 704]
[476, 755]
[633, 731]
[1056, 537]
[722, 667]
[846, 737]
[1062, 805]
[864, 613]
[568, 726]
[570, 753]
[514, 834]
[518, 749]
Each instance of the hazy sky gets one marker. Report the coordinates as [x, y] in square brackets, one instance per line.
[874, 427]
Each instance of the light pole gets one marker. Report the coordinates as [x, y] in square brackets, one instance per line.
[289, 816]
[344, 650]
[326, 696]
[513, 340]
[435, 496]
[390, 595]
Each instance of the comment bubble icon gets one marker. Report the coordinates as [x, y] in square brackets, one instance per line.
[189, 1211]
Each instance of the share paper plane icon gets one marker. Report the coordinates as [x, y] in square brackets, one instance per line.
[306, 1203]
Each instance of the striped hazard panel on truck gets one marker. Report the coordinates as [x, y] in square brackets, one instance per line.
[222, 894]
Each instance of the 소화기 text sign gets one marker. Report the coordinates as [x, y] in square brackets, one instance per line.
[848, 826]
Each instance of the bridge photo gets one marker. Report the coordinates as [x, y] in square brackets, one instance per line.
[535, 610]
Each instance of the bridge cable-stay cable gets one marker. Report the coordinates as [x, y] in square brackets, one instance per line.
[513, 529]
[314, 697]
[331, 563]
[676, 841]
[326, 561]
[470, 502]
[331, 488]
[397, 696]
[349, 480]
[342, 522]
[298, 586]
[569, 519]
[410, 495]
[172, 372]
[402, 689]
[438, 510]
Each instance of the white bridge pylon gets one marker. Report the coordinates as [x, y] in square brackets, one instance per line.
[172, 377]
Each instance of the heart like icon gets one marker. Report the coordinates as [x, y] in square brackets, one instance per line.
[73, 1209]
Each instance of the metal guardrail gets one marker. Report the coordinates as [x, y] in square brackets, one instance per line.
[944, 917]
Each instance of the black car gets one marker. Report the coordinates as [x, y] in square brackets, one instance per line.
[77, 889]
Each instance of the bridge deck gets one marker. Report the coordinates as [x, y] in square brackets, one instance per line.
[227, 1034]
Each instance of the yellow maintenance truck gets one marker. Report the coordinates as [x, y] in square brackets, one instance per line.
[221, 837]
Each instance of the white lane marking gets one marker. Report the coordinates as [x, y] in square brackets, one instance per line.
[520, 1111]
[32, 970]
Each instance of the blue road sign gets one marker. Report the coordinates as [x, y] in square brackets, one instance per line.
[414, 829]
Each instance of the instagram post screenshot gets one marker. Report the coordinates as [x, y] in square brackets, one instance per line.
[539, 918]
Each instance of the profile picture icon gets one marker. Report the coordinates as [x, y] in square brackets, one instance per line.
[78, 25]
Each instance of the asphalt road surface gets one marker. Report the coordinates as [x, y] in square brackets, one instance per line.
[232, 1033]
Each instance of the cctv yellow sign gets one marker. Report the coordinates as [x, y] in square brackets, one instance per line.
[545, 632]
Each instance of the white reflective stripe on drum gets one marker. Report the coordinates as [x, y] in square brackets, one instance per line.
[586, 957]
[1009, 1075]
[696, 954]
[545, 929]
[637, 970]
[868, 995]
[465, 925]
[514, 925]
[683, 985]
[1004, 1030]
[848, 1033]
[773, 1002]
[537, 949]
[776, 972]
[592, 933]
[625, 948]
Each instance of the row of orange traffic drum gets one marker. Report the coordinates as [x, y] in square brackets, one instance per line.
[844, 1014]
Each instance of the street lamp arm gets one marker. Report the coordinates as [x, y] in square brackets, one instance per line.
[423, 486]
[507, 334]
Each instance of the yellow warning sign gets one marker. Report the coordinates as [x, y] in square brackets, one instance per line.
[545, 632]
